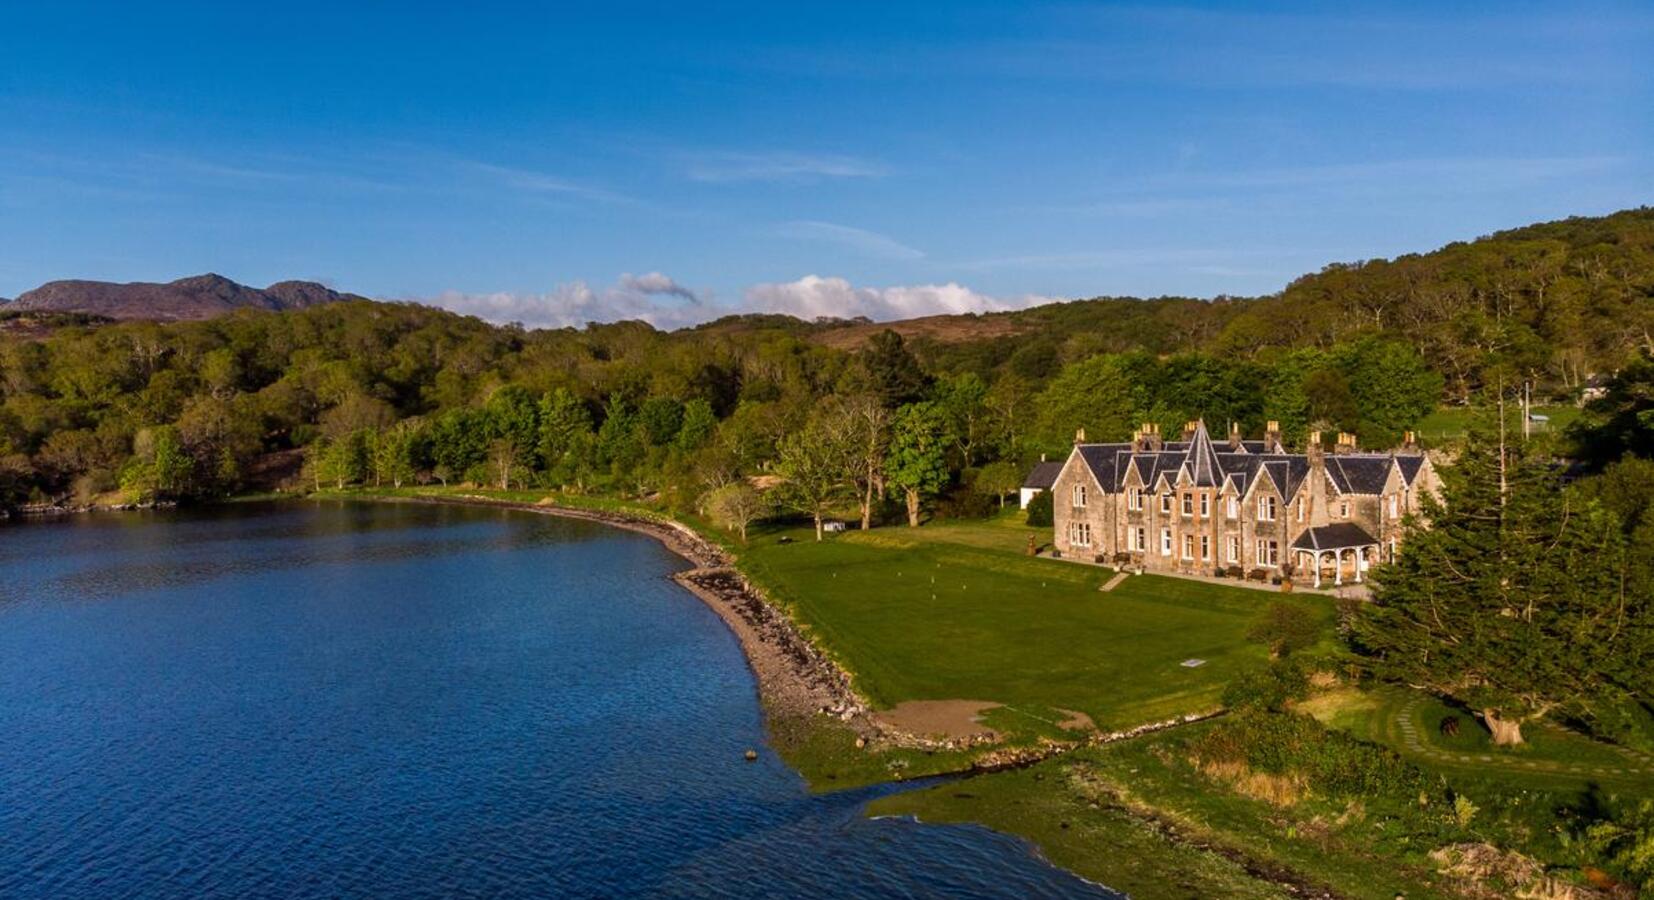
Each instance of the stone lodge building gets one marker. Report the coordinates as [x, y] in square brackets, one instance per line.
[1237, 507]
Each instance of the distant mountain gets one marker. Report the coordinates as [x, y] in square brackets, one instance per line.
[197, 297]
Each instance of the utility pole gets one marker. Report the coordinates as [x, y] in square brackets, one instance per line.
[1527, 401]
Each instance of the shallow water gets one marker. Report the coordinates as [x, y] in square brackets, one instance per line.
[315, 700]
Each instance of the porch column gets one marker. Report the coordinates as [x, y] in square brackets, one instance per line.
[1316, 556]
[1359, 553]
[1337, 568]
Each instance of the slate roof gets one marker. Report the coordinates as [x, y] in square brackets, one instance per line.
[1358, 474]
[1410, 466]
[1338, 536]
[1043, 475]
[1202, 460]
[1217, 464]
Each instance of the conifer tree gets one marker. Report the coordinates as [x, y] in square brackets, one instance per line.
[1508, 594]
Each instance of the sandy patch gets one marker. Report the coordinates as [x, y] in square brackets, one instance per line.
[945, 718]
[1074, 720]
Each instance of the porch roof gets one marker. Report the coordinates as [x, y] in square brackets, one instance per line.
[1340, 536]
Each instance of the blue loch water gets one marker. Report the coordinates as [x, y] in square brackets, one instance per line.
[354, 700]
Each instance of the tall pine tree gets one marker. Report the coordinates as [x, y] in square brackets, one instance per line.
[1508, 595]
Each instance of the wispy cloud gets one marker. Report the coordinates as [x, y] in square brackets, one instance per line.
[1117, 259]
[861, 240]
[1465, 173]
[1333, 47]
[735, 167]
[149, 172]
[545, 183]
[814, 297]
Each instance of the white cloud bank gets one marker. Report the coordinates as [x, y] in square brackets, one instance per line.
[813, 296]
[659, 300]
[652, 297]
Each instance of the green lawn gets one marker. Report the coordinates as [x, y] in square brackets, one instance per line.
[1552, 758]
[1449, 423]
[958, 611]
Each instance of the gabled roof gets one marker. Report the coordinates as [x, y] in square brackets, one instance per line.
[1205, 464]
[1410, 466]
[1359, 474]
[1043, 475]
[1338, 536]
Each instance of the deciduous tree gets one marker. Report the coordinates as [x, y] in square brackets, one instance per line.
[916, 463]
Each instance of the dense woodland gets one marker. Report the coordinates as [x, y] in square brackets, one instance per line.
[391, 393]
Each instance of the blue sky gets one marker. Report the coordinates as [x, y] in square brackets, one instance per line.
[555, 165]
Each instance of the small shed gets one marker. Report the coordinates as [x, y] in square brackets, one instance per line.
[1043, 475]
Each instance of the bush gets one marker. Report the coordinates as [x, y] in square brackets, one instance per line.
[1333, 763]
[1266, 687]
[1625, 842]
[1040, 513]
[1284, 628]
[964, 503]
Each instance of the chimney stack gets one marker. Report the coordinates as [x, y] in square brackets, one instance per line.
[1235, 437]
[1079, 435]
[1314, 450]
[1189, 430]
[1272, 438]
[1409, 441]
[1151, 436]
[1346, 443]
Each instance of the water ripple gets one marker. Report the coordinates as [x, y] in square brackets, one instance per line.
[371, 701]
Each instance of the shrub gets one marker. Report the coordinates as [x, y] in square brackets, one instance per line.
[1266, 687]
[1284, 628]
[1329, 762]
[964, 503]
[1626, 843]
[1040, 510]
[1463, 810]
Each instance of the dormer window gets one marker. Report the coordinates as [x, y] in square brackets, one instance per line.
[1266, 509]
[1134, 499]
[1205, 505]
[1079, 495]
[1395, 506]
[1343, 509]
[1234, 507]
[1166, 504]
[1300, 509]
[1188, 504]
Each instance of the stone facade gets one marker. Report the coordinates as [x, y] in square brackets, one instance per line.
[1236, 506]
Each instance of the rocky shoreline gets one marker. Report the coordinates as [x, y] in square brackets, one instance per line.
[54, 510]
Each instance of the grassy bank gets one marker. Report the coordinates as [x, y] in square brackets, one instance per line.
[959, 611]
